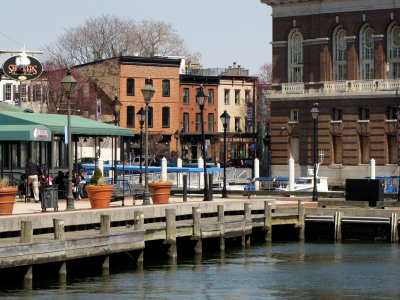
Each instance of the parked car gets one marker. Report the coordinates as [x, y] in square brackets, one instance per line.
[240, 163]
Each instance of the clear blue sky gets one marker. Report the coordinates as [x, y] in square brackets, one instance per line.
[223, 31]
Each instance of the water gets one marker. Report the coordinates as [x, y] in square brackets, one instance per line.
[275, 271]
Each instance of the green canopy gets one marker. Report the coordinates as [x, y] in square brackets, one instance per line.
[20, 125]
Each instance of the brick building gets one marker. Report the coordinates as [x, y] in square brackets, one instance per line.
[125, 76]
[345, 56]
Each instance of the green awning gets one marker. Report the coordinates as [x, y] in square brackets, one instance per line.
[38, 133]
[57, 124]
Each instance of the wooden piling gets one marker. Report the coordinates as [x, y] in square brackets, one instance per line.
[337, 220]
[301, 224]
[185, 185]
[221, 217]
[247, 220]
[394, 223]
[106, 266]
[170, 240]
[105, 224]
[139, 226]
[26, 232]
[62, 271]
[268, 221]
[198, 246]
[59, 232]
[28, 278]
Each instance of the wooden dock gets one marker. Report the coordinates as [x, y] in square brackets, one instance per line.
[59, 237]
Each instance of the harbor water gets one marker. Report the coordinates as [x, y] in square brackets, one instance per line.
[261, 271]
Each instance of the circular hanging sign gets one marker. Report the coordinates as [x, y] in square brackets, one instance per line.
[22, 68]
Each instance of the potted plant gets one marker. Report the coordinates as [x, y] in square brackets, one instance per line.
[99, 191]
[7, 197]
[160, 191]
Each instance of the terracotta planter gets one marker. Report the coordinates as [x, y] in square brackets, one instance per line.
[160, 192]
[7, 199]
[99, 195]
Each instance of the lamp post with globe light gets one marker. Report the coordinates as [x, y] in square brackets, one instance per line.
[141, 114]
[314, 114]
[148, 92]
[225, 118]
[116, 108]
[69, 83]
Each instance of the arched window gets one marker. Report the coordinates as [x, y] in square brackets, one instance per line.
[339, 54]
[295, 53]
[366, 52]
[393, 50]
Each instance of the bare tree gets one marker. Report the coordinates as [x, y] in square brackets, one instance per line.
[109, 36]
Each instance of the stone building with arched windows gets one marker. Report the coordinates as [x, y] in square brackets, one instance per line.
[345, 56]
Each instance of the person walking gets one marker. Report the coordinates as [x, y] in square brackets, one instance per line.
[32, 172]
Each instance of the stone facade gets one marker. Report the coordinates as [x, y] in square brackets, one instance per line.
[357, 109]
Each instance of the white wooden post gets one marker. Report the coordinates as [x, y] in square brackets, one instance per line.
[180, 175]
[163, 169]
[372, 168]
[200, 164]
[256, 174]
[291, 174]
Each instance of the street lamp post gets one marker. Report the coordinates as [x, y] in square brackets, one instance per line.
[398, 152]
[225, 118]
[148, 92]
[141, 114]
[68, 83]
[116, 108]
[201, 98]
[177, 136]
[314, 114]
[239, 130]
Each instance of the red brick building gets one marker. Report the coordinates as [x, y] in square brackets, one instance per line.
[345, 56]
[124, 77]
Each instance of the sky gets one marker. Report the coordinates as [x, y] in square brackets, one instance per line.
[222, 31]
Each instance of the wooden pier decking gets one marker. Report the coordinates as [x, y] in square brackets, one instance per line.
[58, 237]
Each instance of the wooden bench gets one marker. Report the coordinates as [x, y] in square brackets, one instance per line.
[347, 203]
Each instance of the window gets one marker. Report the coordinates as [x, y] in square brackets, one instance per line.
[364, 149]
[339, 54]
[393, 50]
[294, 115]
[392, 149]
[198, 123]
[363, 114]
[295, 48]
[86, 89]
[211, 96]
[247, 96]
[366, 52]
[24, 92]
[37, 92]
[336, 114]
[211, 123]
[150, 117]
[226, 97]
[237, 124]
[391, 113]
[337, 146]
[130, 87]
[7, 91]
[237, 96]
[185, 122]
[130, 116]
[185, 96]
[165, 88]
[165, 117]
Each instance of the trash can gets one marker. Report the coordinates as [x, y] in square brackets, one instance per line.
[49, 197]
[371, 190]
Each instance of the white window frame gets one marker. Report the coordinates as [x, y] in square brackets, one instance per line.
[339, 54]
[366, 52]
[393, 50]
[295, 56]
[294, 115]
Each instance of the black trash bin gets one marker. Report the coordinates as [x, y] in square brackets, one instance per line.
[49, 197]
[371, 190]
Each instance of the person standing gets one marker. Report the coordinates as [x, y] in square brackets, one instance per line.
[32, 172]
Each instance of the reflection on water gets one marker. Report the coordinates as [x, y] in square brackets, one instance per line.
[273, 271]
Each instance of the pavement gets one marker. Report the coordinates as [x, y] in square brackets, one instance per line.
[30, 207]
